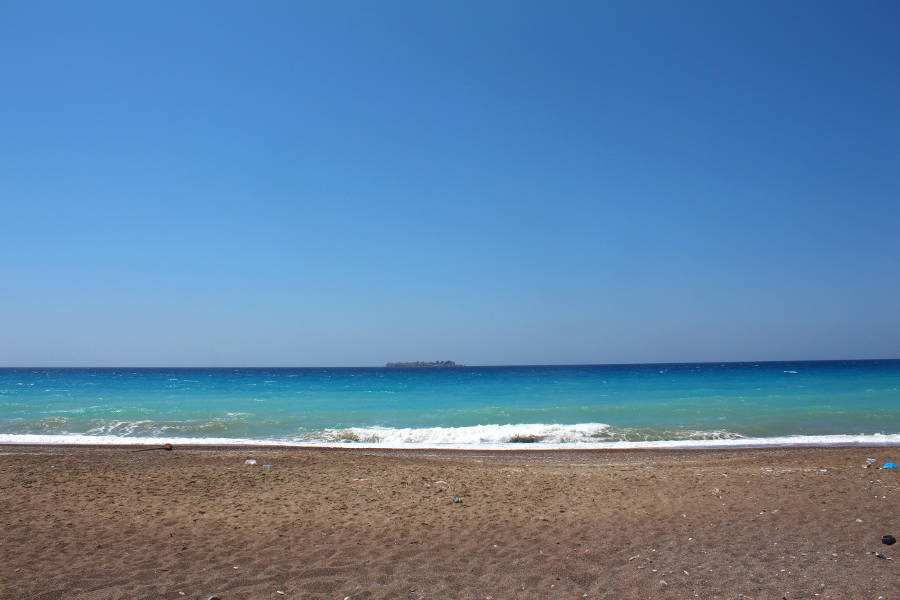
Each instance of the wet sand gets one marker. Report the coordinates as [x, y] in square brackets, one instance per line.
[97, 523]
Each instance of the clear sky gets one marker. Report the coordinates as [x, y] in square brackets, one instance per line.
[350, 183]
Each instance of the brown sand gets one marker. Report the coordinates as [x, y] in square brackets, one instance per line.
[195, 523]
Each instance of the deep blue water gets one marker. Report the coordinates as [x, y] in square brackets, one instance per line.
[462, 405]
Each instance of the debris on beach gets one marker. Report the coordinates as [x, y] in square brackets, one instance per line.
[457, 500]
[250, 461]
[882, 556]
[869, 463]
[888, 540]
[167, 447]
[889, 465]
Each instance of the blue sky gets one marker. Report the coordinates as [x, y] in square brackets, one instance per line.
[349, 183]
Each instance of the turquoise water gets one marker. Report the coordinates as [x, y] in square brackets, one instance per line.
[477, 405]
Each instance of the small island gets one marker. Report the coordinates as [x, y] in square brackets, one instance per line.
[419, 363]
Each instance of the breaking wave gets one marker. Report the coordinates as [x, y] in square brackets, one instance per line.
[512, 434]
[500, 437]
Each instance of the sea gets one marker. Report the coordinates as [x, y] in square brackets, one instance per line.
[582, 406]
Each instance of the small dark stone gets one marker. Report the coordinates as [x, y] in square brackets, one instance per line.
[888, 539]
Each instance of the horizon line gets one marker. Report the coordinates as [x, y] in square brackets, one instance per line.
[462, 365]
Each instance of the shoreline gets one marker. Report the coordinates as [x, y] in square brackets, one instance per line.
[556, 455]
[821, 441]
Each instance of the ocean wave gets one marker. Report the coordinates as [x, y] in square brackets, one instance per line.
[474, 434]
[125, 428]
[479, 437]
[876, 439]
[513, 434]
[148, 428]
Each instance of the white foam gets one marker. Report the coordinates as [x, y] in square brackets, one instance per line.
[876, 439]
[474, 434]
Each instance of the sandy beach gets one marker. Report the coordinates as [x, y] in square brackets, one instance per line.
[97, 523]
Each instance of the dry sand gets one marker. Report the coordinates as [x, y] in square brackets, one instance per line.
[196, 523]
